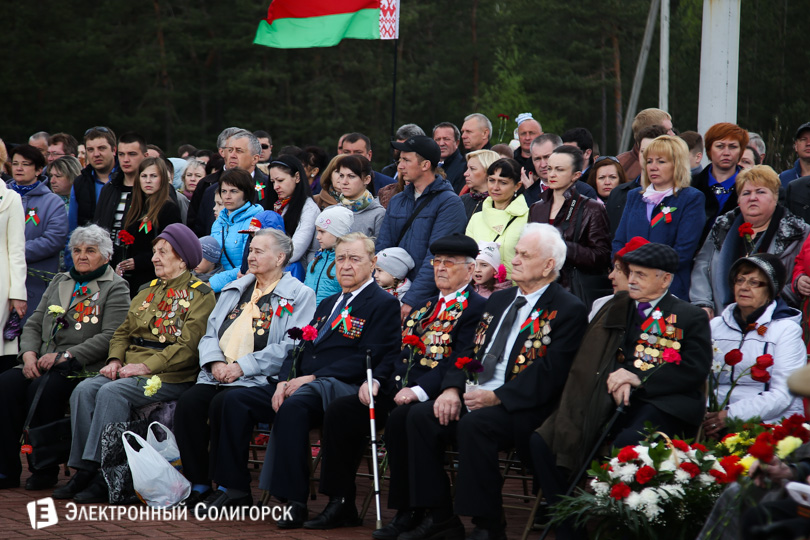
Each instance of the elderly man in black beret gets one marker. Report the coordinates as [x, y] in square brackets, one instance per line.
[645, 349]
[443, 325]
[525, 341]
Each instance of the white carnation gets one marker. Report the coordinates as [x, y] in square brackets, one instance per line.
[669, 490]
[600, 488]
[706, 479]
[652, 511]
[682, 477]
[644, 455]
[650, 496]
[633, 501]
[668, 465]
[627, 472]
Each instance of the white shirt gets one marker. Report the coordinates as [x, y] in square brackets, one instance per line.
[523, 313]
[354, 294]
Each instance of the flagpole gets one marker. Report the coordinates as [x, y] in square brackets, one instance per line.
[394, 93]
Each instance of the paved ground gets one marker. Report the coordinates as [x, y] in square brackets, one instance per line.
[15, 523]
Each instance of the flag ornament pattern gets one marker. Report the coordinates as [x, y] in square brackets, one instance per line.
[293, 24]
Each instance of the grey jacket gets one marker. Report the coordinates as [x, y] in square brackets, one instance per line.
[90, 342]
[258, 365]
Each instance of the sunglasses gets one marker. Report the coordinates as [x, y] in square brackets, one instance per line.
[97, 128]
[265, 146]
[603, 158]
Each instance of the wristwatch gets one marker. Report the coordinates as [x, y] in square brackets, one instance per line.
[66, 355]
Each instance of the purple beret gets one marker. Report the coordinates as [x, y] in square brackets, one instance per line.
[185, 243]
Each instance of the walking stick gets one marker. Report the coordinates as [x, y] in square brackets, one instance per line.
[586, 466]
[373, 424]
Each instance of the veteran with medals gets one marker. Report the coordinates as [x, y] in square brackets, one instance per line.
[159, 336]
[645, 349]
[525, 341]
[246, 342]
[433, 334]
[69, 331]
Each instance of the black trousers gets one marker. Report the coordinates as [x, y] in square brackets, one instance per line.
[346, 433]
[480, 435]
[195, 407]
[16, 396]
[396, 448]
[232, 430]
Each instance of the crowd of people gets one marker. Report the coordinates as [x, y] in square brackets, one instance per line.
[507, 297]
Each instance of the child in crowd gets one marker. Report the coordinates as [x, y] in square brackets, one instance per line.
[218, 205]
[490, 274]
[331, 224]
[393, 265]
[209, 265]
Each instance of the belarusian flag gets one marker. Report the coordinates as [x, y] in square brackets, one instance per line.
[299, 24]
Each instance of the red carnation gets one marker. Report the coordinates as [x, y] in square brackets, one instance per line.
[414, 341]
[645, 474]
[462, 361]
[760, 375]
[680, 445]
[309, 333]
[746, 229]
[765, 361]
[731, 464]
[620, 491]
[698, 446]
[628, 453]
[691, 468]
[672, 356]
[733, 357]
[126, 238]
[763, 447]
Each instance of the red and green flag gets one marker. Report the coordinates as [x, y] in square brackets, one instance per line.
[299, 24]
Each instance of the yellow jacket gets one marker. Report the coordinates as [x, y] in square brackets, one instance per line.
[493, 225]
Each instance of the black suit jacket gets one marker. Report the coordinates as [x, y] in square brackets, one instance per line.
[343, 357]
[541, 383]
[454, 167]
[430, 379]
[701, 181]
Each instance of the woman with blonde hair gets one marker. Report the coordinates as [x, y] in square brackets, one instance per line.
[475, 192]
[665, 209]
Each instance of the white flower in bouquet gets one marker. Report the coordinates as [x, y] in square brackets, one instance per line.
[644, 455]
[706, 479]
[633, 501]
[652, 511]
[670, 490]
[718, 366]
[668, 465]
[682, 477]
[600, 488]
[650, 496]
[627, 472]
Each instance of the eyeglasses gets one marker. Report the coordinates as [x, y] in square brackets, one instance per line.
[603, 158]
[55, 154]
[752, 283]
[447, 263]
[97, 128]
[265, 147]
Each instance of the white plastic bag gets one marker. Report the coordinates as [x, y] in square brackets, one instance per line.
[167, 448]
[156, 482]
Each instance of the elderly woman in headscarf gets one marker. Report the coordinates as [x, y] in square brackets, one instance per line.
[245, 342]
[159, 337]
[70, 330]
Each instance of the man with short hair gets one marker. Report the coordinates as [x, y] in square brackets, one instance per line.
[528, 130]
[801, 144]
[267, 145]
[185, 151]
[405, 132]
[476, 131]
[206, 182]
[426, 210]
[694, 141]
[618, 197]
[725, 144]
[39, 140]
[651, 351]
[525, 342]
[646, 118]
[61, 144]
[535, 183]
[448, 136]
[116, 195]
[102, 166]
[581, 138]
[755, 140]
[357, 143]
[446, 325]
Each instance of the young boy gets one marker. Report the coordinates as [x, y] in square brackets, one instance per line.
[393, 265]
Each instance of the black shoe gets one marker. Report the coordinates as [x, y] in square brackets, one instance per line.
[195, 498]
[10, 482]
[79, 482]
[298, 515]
[338, 513]
[96, 492]
[451, 529]
[39, 481]
[404, 521]
[480, 533]
[215, 505]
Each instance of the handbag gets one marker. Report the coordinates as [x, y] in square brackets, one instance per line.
[114, 467]
[587, 287]
[13, 327]
[47, 445]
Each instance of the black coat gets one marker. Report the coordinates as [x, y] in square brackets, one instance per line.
[797, 197]
[454, 167]
[141, 250]
[194, 205]
[376, 328]
[461, 330]
[701, 181]
[532, 195]
[540, 384]
[616, 201]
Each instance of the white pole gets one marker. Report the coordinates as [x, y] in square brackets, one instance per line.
[719, 63]
[663, 74]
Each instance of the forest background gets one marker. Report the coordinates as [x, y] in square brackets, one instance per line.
[180, 71]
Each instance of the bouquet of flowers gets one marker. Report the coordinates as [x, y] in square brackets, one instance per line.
[660, 488]
[726, 366]
[416, 345]
[471, 367]
[307, 333]
[59, 322]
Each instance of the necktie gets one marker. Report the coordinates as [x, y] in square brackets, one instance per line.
[642, 308]
[496, 354]
[335, 314]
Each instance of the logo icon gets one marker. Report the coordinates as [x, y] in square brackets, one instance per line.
[42, 513]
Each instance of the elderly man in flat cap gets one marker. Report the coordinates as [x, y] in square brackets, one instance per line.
[525, 341]
[444, 324]
[645, 349]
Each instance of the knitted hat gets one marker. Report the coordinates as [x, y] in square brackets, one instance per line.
[769, 264]
[490, 253]
[185, 243]
[211, 250]
[395, 261]
[656, 256]
[336, 220]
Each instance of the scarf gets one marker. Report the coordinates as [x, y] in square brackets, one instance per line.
[746, 322]
[89, 276]
[23, 190]
[653, 198]
[476, 196]
[358, 204]
[237, 340]
[279, 205]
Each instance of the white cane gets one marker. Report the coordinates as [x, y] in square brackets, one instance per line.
[373, 424]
